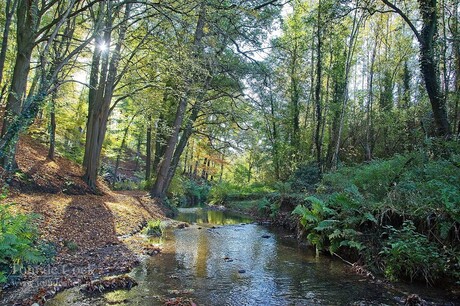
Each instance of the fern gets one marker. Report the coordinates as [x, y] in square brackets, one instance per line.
[18, 241]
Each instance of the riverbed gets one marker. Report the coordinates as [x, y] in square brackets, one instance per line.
[226, 259]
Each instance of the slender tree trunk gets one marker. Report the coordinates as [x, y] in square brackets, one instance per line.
[10, 8]
[295, 109]
[159, 188]
[52, 126]
[327, 107]
[203, 170]
[190, 167]
[349, 56]
[138, 152]
[160, 145]
[318, 143]
[148, 148]
[276, 159]
[221, 169]
[195, 169]
[429, 68]
[184, 170]
[456, 50]
[370, 99]
[187, 132]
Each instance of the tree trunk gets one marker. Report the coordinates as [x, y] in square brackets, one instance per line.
[52, 127]
[148, 148]
[9, 12]
[159, 188]
[187, 132]
[184, 169]
[349, 57]
[318, 143]
[163, 177]
[276, 160]
[295, 111]
[160, 145]
[429, 68]
[99, 108]
[456, 49]
[25, 40]
[370, 100]
[221, 174]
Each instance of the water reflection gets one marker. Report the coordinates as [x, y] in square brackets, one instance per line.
[215, 217]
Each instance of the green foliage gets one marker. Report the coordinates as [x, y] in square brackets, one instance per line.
[333, 224]
[196, 191]
[72, 246]
[264, 205]
[409, 254]
[18, 241]
[373, 180]
[363, 208]
[224, 191]
[305, 177]
[154, 228]
[219, 193]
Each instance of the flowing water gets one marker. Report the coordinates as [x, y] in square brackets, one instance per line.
[224, 259]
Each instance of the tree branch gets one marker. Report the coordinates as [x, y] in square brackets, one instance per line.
[406, 19]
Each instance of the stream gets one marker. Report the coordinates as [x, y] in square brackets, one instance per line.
[225, 259]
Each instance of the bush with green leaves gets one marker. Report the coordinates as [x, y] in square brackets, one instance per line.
[411, 255]
[359, 204]
[219, 193]
[18, 242]
[154, 228]
[305, 177]
[334, 223]
[196, 191]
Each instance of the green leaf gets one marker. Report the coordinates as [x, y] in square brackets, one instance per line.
[326, 224]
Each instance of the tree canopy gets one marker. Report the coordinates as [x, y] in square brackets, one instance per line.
[212, 89]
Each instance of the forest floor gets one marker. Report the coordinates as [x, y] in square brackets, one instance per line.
[94, 235]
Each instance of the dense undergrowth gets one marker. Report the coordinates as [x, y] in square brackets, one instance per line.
[399, 216]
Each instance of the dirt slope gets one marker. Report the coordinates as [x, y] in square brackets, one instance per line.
[89, 231]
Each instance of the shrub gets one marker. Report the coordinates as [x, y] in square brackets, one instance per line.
[154, 228]
[409, 254]
[219, 193]
[367, 208]
[18, 241]
[334, 223]
[196, 191]
[305, 177]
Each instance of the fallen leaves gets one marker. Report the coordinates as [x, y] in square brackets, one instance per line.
[87, 229]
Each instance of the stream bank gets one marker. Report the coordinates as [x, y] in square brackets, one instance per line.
[90, 236]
